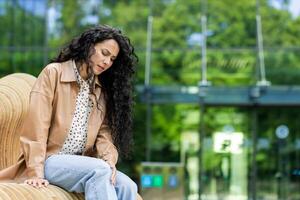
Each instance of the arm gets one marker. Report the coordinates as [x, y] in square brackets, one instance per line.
[106, 150]
[35, 129]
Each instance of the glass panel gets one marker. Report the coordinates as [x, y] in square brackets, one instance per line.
[278, 154]
[226, 154]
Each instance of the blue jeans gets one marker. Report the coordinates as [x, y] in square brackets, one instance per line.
[88, 175]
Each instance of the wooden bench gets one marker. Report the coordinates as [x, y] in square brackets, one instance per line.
[14, 93]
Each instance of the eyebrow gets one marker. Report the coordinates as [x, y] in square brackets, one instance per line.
[113, 56]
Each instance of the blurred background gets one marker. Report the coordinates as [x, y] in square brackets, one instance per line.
[217, 88]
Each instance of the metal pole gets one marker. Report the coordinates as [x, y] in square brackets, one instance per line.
[12, 35]
[147, 85]
[254, 152]
[45, 53]
[203, 45]
[260, 54]
[201, 143]
[100, 5]
[280, 171]
[202, 94]
[33, 53]
[148, 126]
[24, 56]
[148, 51]
[202, 84]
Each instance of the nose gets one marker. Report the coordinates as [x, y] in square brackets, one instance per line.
[106, 61]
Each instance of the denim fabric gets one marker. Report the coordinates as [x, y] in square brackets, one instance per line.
[88, 175]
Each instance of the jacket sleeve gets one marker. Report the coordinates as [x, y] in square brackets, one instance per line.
[35, 128]
[106, 150]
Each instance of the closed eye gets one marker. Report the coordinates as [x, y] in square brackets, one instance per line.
[105, 52]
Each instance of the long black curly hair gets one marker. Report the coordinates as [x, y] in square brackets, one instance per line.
[116, 82]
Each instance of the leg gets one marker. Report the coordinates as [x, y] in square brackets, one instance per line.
[126, 189]
[81, 174]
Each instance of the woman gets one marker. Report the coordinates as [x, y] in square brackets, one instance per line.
[79, 119]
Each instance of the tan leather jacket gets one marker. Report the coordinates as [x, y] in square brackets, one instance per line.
[51, 107]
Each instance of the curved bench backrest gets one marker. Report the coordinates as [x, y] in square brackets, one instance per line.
[14, 97]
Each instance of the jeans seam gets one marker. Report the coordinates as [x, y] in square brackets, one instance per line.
[93, 181]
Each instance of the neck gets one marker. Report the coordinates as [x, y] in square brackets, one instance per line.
[83, 71]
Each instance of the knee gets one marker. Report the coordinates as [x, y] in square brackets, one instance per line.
[102, 171]
[98, 170]
[126, 183]
[133, 186]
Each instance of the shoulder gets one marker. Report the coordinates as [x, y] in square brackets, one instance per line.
[48, 77]
[56, 69]
[52, 69]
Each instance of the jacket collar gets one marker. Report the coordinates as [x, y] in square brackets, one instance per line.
[68, 74]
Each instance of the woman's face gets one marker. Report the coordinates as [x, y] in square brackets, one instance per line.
[105, 54]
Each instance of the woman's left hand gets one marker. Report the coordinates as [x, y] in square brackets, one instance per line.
[113, 174]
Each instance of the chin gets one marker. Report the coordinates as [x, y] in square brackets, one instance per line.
[96, 72]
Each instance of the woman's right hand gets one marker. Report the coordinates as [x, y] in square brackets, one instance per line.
[37, 182]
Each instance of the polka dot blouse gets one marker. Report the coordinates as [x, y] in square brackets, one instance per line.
[76, 139]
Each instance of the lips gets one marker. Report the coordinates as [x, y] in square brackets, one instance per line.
[102, 68]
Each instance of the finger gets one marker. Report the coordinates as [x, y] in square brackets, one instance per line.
[29, 182]
[40, 183]
[112, 181]
[46, 183]
[35, 183]
[32, 182]
[113, 176]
